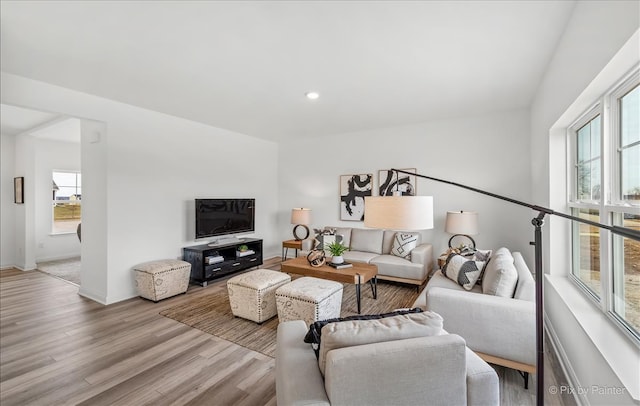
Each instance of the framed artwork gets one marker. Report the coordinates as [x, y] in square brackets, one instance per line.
[353, 189]
[18, 190]
[389, 181]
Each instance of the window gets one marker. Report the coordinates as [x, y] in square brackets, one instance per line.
[588, 166]
[67, 199]
[629, 106]
[605, 187]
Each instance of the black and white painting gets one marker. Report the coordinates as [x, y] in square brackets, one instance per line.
[353, 189]
[390, 181]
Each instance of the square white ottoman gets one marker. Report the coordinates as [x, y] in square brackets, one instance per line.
[157, 280]
[252, 295]
[309, 299]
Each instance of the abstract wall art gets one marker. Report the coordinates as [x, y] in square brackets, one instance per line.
[389, 181]
[353, 189]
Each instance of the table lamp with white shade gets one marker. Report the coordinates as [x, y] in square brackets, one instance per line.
[462, 224]
[301, 217]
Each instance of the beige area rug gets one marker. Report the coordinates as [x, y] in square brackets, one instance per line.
[67, 269]
[211, 313]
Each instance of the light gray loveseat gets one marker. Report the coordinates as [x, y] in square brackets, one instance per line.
[435, 370]
[501, 330]
[373, 246]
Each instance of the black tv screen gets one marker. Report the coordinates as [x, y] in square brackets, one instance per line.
[224, 216]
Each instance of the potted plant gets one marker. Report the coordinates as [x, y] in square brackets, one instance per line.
[336, 249]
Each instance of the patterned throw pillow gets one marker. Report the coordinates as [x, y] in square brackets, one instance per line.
[463, 271]
[324, 238]
[403, 244]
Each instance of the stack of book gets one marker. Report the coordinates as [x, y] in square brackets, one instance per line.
[342, 265]
[244, 253]
[213, 259]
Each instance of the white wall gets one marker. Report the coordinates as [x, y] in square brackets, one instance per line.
[593, 351]
[25, 154]
[52, 156]
[487, 152]
[7, 206]
[150, 167]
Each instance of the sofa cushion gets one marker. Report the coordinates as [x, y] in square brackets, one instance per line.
[438, 280]
[366, 240]
[358, 256]
[403, 244]
[314, 335]
[390, 265]
[463, 270]
[500, 275]
[360, 332]
[526, 288]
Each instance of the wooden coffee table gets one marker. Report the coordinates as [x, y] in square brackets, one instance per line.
[358, 274]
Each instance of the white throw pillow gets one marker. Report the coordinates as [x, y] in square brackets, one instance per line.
[403, 244]
[359, 332]
[462, 270]
[500, 276]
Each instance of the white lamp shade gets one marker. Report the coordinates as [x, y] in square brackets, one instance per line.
[461, 222]
[301, 216]
[399, 212]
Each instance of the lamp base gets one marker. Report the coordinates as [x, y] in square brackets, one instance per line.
[473, 243]
[295, 232]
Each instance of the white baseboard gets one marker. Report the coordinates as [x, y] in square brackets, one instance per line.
[567, 369]
[58, 257]
[29, 267]
[96, 297]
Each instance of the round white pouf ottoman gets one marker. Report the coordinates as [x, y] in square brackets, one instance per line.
[309, 299]
[252, 295]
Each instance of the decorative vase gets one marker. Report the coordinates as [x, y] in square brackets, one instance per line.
[337, 259]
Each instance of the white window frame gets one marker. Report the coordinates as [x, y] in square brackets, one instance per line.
[610, 202]
[625, 87]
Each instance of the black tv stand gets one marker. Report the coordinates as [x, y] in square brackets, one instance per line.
[202, 272]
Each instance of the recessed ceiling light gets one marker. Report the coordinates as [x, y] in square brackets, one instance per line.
[312, 95]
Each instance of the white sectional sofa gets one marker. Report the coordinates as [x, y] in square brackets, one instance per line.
[500, 329]
[373, 246]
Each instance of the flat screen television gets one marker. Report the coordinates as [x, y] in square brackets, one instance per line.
[224, 216]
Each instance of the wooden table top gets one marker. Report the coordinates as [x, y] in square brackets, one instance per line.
[300, 266]
[297, 244]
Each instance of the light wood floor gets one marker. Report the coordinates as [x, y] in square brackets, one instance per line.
[58, 348]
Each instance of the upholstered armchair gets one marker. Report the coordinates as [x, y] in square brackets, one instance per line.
[435, 370]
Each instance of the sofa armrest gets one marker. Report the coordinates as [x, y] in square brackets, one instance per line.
[298, 378]
[411, 371]
[482, 381]
[498, 326]
[423, 254]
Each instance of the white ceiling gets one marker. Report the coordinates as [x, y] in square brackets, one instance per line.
[15, 120]
[245, 66]
[65, 129]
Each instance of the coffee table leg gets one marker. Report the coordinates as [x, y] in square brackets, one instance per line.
[374, 286]
[358, 294]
